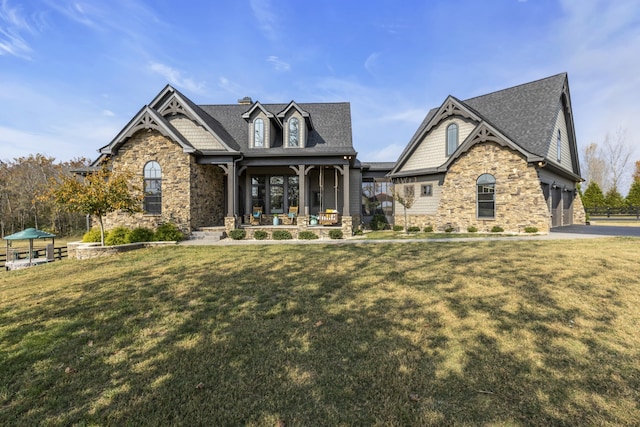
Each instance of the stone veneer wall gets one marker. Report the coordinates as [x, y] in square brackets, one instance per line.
[144, 147]
[579, 214]
[413, 220]
[519, 199]
[207, 195]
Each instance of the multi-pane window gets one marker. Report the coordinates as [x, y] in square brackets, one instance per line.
[294, 132]
[559, 146]
[258, 133]
[452, 138]
[377, 198]
[427, 190]
[486, 191]
[152, 188]
[275, 193]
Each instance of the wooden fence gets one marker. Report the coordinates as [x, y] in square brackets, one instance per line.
[627, 211]
[58, 253]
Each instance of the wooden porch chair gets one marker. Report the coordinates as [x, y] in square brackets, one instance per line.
[256, 215]
[291, 217]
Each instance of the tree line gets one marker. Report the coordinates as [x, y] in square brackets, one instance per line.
[24, 182]
[605, 168]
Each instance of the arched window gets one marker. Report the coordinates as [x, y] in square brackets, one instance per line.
[294, 132]
[452, 138]
[559, 146]
[258, 133]
[486, 190]
[152, 188]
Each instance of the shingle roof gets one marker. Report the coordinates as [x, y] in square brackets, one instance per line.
[526, 113]
[331, 133]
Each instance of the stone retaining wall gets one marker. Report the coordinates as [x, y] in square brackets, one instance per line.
[81, 250]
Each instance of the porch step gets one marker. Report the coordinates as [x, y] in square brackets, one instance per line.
[208, 235]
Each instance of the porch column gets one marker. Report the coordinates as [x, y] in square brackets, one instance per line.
[230, 170]
[345, 192]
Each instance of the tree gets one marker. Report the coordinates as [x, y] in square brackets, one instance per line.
[594, 168]
[98, 194]
[617, 156]
[593, 196]
[406, 197]
[636, 173]
[613, 198]
[633, 197]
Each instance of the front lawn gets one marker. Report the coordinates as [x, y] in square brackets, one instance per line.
[512, 333]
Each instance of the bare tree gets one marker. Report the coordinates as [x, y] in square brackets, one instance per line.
[617, 153]
[406, 196]
[594, 167]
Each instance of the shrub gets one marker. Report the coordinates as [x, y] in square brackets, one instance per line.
[260, 235]
[448, 229]
[531, 229]
[497, 229]
[379, 222]
[92, 236]
[335, 234]
[117, 236]
[282, 235]
[307, 235]
[168, 232]
[472, 229]
[237, 234]
[413, 229]
[428, 229]
[358, 232]
[140, 235]
[398, 228]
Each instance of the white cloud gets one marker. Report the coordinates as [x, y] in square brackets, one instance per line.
[175, 78]
[371, 62]
[12, 24]
[278, 64]
[264, 13]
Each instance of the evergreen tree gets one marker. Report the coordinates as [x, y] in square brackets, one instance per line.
[613, 198]
[593, 196]
[633, 198]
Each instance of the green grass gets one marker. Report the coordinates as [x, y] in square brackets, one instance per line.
[513, 333]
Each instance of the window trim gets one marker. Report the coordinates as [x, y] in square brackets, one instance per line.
[486, 180]
[255, 133]
[449, 148]
[153, 200]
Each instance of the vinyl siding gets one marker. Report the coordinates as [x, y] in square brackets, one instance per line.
[423, 205]
[431, 151]
[552, 154]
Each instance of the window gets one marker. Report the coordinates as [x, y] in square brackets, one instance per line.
[559, 146]
[294, 132]
[152, 188]
[258, 133]
[427, 190]
[376, 198]
[269, 192]
[452, 138]
[486, 189]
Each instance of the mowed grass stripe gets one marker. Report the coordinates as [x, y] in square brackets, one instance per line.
[460, 333]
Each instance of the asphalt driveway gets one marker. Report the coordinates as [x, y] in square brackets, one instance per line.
[598, 230]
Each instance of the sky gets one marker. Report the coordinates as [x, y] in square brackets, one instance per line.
[74, 72]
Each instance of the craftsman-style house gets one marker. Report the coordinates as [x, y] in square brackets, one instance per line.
[507, 159]
[217, 165]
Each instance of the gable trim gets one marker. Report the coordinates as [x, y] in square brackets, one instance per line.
[450, 107]
[307, 117]
[147, 119]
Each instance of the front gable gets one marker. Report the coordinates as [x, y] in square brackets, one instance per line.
[294, 134]
[562, 146]
[191, 121]
[428, 148]
[147, 119]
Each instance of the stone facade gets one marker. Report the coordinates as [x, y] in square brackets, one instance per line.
[193, 194]
[519, 201]
[421, 221]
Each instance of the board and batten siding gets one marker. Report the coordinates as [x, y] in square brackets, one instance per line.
[565, 150]
[432, 150]
[197, 136]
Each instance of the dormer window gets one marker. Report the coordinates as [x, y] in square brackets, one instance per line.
[452, 138]
[294, 132]
[258, 133]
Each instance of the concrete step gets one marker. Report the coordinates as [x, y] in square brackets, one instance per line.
[208, 235]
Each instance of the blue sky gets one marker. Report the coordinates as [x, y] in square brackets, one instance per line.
[74, 72]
